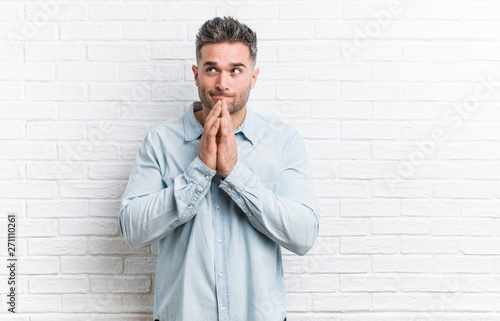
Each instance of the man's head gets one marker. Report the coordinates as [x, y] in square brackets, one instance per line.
[226, 52]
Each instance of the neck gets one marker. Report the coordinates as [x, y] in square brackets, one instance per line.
[237, 117]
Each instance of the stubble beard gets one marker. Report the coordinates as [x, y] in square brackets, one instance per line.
[237, 103]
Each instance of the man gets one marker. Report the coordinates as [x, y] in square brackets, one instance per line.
[221, 189]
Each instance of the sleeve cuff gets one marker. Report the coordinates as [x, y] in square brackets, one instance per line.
[238, 180]
[199, 173]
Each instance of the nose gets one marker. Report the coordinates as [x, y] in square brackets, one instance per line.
[223, 81]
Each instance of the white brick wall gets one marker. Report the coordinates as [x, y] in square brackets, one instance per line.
[398, 102]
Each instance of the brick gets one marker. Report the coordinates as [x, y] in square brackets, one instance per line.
[93, 264]
[38, 228]
[137, 284]
[174, 92]
[462, 227]
[313, 51]
[11, 130]
[469, 189]
[105, 303]
[52, 92]
[87, 151]
[344, 227]
[430, 283]
[10, 91]
[426, 10]
[318, 130]
[150, 72]
[384, 10]
[434, 245]
[20, 32]
[363, 92]
[341, 110]
[476, 283]
[12, 171]
[118, 52]
[11, 51]
[120, 11]
[467, 150]
[39, 265]
[58, 284]
[370, 208]
[463, 264]
[342, 189]
[484, 10]
[298, 301]
[340, 71]
[401, 302]
[10, 11]
[369, 130]
[152, 31]
[359, 50]
[57, 246]
[120, 132]
[340, 264]
[28, 189]
[150, 111]
[308, 91]
[109, 171]
[402, 264]
[55, 11]
[395, 226]
[89, 111]
[408, 72]
[33, 303]
[434, 52]
[324, 245]
[292, 265]
[482, 246]
[371, 283]
[118, 93]
[401, 189]
[340, 302]
[481, 208]
[56, 209]
[366, 170]
[173, 11]
[26, 71]
[54, 51]
[324, 169]
[28, 111]
[310, 10]
[91, 31]
[173, 51]
[283, 71]
[86, 72]
[368, 245]
[311, 283]
[90, 189]
[55, 130]
[403, 111]
[283, 30]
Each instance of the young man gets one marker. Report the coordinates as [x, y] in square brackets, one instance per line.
[221, 189]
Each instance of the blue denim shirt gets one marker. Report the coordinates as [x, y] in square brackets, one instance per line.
[219, 253]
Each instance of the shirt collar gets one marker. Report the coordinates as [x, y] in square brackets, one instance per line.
[193, 129]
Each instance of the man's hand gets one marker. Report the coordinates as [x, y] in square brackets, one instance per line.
[208, 144]
[227, 153]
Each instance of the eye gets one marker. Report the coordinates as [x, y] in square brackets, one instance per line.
[211, 69]
[236, 71]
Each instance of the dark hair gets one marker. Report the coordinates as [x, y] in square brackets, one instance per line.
[227, 29]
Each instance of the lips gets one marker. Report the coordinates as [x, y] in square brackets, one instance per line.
[219, 96]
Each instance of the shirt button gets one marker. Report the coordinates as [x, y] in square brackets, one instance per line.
[220, 240]
[221, 275]
[249, 214]
[229, 189]
[217, 207]
[207, 177]
[223, 308]
[190, 206]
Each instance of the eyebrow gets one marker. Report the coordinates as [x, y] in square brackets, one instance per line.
[233, 64]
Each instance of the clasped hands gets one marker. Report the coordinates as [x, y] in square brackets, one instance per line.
[218, 142]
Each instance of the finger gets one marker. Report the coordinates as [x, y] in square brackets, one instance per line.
[214, 112]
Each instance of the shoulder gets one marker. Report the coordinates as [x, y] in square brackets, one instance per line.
[166, 130]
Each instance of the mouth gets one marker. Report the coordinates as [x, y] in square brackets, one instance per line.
[220, 97]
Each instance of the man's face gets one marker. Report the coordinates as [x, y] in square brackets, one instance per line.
[225, 71]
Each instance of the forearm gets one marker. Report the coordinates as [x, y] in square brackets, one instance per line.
[144, 219]
[292, 222]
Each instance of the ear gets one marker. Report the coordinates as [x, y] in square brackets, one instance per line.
[254, 76]
[195, 72]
